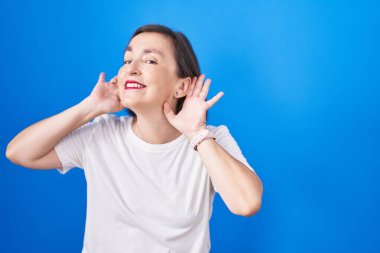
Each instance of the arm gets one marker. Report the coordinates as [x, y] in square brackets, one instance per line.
[239, 187]
[40, 138]
[34, 146]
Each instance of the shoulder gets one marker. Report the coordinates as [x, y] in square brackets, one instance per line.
[109, 122]
[218, 130]
[222, 134]
[105, 118]
[110, 119]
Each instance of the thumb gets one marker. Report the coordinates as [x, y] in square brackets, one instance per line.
[168, 112]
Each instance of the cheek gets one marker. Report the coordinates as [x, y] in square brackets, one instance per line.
[122, 70]
[166, 79]
[164, 87]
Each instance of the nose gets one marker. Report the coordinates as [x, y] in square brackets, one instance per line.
[133, 68]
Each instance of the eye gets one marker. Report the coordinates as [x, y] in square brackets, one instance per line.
[153, 62]
[149, 61]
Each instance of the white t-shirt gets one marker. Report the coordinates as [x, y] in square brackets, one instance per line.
[142, 197]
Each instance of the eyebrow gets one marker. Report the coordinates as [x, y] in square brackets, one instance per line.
[146, 51]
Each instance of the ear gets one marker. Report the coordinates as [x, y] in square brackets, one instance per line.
[183, 87]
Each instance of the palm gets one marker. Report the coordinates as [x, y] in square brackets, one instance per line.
[106, 95]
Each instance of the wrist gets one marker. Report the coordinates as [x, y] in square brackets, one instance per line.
[89, 108]
[191, 135]
[200, 137]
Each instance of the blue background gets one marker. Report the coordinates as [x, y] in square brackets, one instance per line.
[301, 82]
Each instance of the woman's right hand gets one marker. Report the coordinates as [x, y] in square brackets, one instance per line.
[105, 95]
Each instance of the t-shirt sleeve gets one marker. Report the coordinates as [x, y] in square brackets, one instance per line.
[71, 148]
[228, 143]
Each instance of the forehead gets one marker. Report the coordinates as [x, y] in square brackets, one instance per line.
[149, 42]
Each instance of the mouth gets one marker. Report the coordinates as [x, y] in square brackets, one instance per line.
[133, 85]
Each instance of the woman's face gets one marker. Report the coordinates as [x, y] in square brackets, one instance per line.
[149, 60]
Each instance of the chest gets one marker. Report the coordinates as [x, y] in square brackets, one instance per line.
[166, 188]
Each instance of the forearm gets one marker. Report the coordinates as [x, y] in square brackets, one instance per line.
[238, 186]
[38, 139]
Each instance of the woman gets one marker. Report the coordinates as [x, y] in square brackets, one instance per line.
[151, 177]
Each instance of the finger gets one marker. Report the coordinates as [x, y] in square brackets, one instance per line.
[169, 114]
[215, 99]
[191, 91]
[205, 89]
[115, 91]
[101, 77]
[113, 81]
[195, 78]
[198, 85]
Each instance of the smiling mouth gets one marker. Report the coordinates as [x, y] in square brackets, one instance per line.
[134, 86]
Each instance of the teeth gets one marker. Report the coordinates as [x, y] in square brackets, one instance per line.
[132, 85]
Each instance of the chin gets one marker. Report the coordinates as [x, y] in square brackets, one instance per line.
[130, 104]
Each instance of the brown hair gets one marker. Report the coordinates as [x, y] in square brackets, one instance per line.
[187, 62]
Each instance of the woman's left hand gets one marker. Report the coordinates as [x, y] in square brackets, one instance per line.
[192, 118]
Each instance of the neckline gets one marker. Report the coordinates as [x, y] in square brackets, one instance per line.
[149, 146]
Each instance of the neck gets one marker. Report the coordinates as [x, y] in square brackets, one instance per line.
[154, 129]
